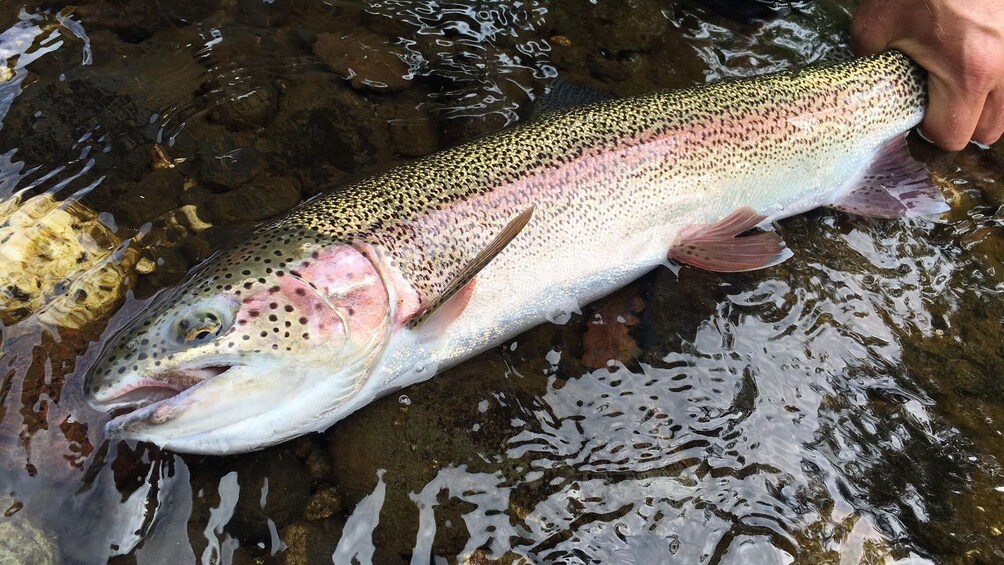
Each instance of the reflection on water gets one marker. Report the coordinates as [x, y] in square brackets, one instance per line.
[842, 407]
[482, 54]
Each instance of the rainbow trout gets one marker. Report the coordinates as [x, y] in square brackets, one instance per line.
[384, 283]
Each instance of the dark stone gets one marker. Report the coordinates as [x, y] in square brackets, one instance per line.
[324, 130]
[466, 128]
[170, 267]
[253, 107]
[262, 13]
[370, 62]
[257, 201]
[308, 543]
[318, 466]
[324, 504]
[157, 194]
[285, 478]
[195, 249]
[615, 26]
[412, 133]
[226, 166]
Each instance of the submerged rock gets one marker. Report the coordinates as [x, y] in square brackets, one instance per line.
[309, 543]
[226, 166]
[251, 108]
[261, 13]
[412, 132]
[60, 262]
[274, 487]
[370, 62]
[22, 542]
[259, 200]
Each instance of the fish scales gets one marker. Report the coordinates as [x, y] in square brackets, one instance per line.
[741, 116]
[613, 187]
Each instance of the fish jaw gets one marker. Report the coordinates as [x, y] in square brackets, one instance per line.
[244, 408]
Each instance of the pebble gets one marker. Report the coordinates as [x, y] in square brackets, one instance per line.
[323, 504]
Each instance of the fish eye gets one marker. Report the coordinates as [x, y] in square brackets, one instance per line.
[201, 323]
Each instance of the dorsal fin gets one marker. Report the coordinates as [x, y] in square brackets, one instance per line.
[467, 274]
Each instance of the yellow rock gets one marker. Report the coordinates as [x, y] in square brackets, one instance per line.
[59, 263]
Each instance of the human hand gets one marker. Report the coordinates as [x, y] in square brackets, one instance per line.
[961, 44]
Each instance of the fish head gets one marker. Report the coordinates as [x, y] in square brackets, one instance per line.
[257, 347]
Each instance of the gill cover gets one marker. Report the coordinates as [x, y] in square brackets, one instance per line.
[221, 368]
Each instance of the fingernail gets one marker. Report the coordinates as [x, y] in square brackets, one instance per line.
[978, 144]
[923, 136]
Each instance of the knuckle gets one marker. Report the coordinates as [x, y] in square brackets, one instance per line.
[981, 67]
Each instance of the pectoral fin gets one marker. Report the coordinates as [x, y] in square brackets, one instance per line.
[465, 277]
[895, 185]
[721, 246]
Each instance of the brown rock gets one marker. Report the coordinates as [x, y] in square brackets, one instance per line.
[466, 128]
[273, 487]
[414, 136]
[261, 13]
[307, 544]
[370, 62]
[318, 466]
[157, 194]
[323, 504]
[226, 166]
[607, 335]
[251, 108]
[259, 200]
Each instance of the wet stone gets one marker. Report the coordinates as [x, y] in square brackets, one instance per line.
[259, 200]
[413, 134]
[370, 62]
[615, 26]
[60, 262]
[155, 195]
[307, 544]
[138, 21]
[324, 129]
[226, 167]
[318, 466]
[413, 454]
[273, 487]
[262, 13]
[323, 504]
[170, 267]
[22, 542]
[195, 249]
[252, 108]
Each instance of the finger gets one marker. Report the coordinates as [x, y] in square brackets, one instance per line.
[991, 124]
[868, 35]
[952, 113]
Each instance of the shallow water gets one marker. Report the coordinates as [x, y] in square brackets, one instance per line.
[842, 407]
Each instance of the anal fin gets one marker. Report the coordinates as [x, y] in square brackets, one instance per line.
[895, 185]
[721, 247]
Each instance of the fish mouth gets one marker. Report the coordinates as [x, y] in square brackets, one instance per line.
[159, 388]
